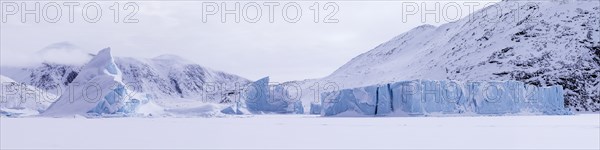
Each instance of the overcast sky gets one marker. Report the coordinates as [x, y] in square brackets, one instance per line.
[282, 50]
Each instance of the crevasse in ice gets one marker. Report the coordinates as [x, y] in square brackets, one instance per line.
[428, 97]
[315, 108]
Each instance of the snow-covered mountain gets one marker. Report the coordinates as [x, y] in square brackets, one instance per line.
[162, 77]
[539, 43]
[169, 76]
[51, 77]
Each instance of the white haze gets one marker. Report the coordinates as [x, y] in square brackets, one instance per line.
[285, 51]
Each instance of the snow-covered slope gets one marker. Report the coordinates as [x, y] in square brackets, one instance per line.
[170, 76]
[52, 77]
[52, 68]
[540, 43]
[17, 99]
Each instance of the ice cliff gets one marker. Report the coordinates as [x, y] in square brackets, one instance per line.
[261, 98]
[430, 97]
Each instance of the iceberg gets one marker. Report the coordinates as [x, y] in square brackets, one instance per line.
[261, 98]
[97, 90]
[434, 98]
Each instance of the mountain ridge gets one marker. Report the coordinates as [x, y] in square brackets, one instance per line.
[150, 77]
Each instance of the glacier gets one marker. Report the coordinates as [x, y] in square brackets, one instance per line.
[261, 98]
[443, 98]
[97, 90]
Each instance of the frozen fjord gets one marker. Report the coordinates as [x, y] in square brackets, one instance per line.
[305, 131]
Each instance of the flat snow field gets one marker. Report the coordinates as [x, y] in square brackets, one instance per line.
[304, 131]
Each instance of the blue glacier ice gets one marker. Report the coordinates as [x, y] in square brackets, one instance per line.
[360, 101]
[430, 98]
[384, 100]
[231, 110]
[261, 98]
[315, 108]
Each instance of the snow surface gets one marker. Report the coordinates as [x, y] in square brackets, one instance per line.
[303, 132]
[181, 107]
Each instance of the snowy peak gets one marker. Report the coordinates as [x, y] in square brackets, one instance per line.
[102, 64]
[103, 57]
[170, 76]
[4, 79]
[105, 60]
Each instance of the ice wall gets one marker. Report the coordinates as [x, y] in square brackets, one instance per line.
[315, 108]
[427, 97]
[261, 98]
